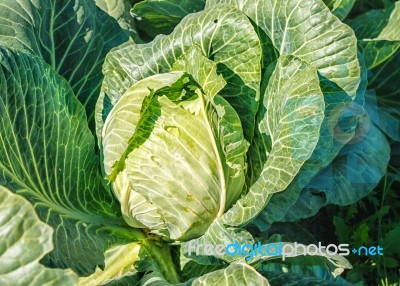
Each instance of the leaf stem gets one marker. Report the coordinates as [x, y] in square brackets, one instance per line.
[127, 232]
[163, 258]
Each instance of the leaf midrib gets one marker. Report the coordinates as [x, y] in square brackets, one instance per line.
[76, 215]
[217, 154]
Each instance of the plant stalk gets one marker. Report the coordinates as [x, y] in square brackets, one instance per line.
[163, 258]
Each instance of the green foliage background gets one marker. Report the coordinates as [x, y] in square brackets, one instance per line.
[308, 123]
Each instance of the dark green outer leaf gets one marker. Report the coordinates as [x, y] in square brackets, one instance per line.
[382, 56]
[352, 175]
[191, 269]
[378, 34]
[386, 105]
[73, 36]
[24, 241]
[387, 118]
[47, 155]
[363, 6]
[384, 81]
[340, 8]
[376, 52]
[380, 24]
[161, 16]
[120, 11]
[289, 279]
[370, 24]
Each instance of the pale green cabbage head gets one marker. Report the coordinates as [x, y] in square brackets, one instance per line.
[175, 152]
